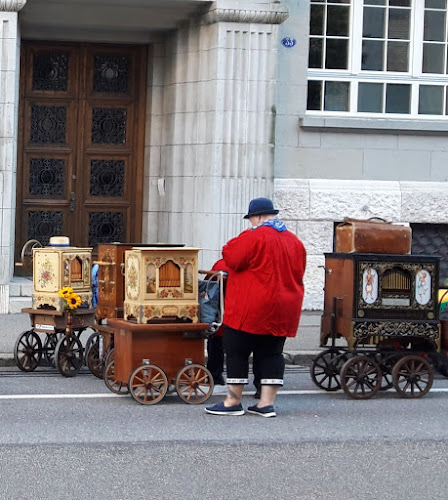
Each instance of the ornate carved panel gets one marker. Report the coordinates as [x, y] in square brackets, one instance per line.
[111, 74]
[47, 177]
[42, 225]
[48, 124]
[106, 227]
[50, 71]
[107, 177]
[108, 126]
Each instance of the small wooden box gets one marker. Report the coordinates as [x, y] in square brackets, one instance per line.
[370, 236]
[57, 267]
[161, 284]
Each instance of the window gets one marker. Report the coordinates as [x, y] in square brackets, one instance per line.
[378, 56]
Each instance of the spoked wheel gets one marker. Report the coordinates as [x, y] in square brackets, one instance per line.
[361, 377]
[387, 365]
[413, 376]
[326, 368]
[94, 361]
[93, 338]
[69, 355]
[28, 351]
[111, 380]
[194, 384]
[50, 346]
[110, 357]
[148, 384]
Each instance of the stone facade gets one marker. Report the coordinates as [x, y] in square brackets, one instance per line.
[9, 83]
[226, 121]
[330, 167]
[211, 118]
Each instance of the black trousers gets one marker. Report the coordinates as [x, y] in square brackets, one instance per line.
[267, 351]
[215, 359]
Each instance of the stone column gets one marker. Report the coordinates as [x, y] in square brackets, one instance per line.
[212, 123]
[9, 100]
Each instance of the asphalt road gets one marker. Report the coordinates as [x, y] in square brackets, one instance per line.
[70, 438]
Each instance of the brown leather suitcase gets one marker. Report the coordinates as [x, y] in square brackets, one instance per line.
[372, 236]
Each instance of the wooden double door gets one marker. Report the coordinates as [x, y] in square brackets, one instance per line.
[81, 143]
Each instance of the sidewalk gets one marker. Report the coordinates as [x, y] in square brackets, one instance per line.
[298, 351]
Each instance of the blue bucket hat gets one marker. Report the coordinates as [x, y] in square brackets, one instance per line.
[261, 206]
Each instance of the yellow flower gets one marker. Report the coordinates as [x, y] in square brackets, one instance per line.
[65, 292]
[73, 300]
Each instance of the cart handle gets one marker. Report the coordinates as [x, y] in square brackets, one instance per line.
[219, 275]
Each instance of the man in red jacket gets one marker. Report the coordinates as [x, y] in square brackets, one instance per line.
[263, 304]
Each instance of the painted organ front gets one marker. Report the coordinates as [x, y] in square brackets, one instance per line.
[58, 267]
[161, 284]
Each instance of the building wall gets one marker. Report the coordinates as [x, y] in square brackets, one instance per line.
[210, 127]
[9, 85]
[328, 168]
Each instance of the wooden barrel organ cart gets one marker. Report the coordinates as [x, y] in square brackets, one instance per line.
[110, 282]
[56, 267]
[159, 344]
[385, 307]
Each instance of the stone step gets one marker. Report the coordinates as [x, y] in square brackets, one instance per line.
[17, 303]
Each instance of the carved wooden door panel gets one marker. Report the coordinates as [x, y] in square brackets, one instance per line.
[80, 168]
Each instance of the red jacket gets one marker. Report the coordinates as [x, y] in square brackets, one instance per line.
[264, 290]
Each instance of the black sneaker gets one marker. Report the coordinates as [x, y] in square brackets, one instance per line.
[266, 411]
[220, 409]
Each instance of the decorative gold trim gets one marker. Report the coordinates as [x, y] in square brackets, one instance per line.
[366, 329]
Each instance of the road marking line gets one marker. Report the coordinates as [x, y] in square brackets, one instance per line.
[59, 396]
[112, 395]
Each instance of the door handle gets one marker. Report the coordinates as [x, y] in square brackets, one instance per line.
[72, 201]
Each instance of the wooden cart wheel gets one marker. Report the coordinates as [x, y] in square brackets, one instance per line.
[50, 346]
[69, 355]
[111, 380]
[28, 351]
[413, 376]
[361, 377]
[93, 338]
[325, 369]
[94, 362]
[194, 384]
[148, 384]
[387, 364]
[110, 357]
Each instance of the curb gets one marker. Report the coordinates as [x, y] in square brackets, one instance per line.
[303, 358]
[7, 359]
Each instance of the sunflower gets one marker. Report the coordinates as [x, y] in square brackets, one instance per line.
[73, 300]
[65, 292]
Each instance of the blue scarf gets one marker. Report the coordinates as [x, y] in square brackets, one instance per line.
[276, 224]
